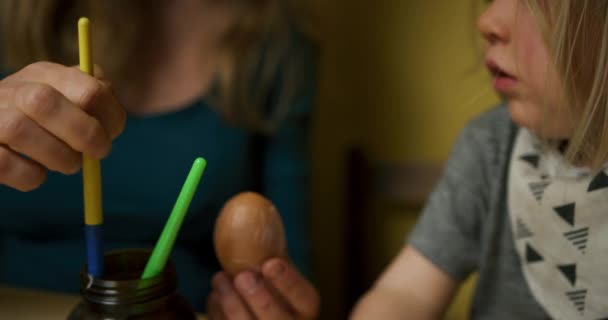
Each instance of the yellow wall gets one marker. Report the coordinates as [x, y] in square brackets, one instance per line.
[399, 78]
[428, 79]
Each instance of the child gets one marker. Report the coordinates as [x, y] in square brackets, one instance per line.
[523, 198]
[231, 81]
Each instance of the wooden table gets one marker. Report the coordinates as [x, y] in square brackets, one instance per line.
[23, 304]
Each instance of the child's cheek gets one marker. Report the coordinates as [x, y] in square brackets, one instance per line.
[539, 75]
[540, 89]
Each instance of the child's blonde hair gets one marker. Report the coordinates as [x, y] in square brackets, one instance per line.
[577, 34]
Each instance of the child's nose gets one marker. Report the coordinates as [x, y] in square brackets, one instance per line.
[492, 23]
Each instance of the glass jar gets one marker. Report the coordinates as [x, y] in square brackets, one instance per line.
[122, 295]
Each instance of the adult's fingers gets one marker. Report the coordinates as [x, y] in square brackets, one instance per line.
[300, 294]
[98, 72]
[25, 136]
[93, 96]
[58, 115]
[19, 173]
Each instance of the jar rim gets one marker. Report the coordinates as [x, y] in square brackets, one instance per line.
[122, 284]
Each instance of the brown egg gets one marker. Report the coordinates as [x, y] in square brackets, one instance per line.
[247, 232]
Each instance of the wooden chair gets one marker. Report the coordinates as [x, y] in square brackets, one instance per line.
[384, 191]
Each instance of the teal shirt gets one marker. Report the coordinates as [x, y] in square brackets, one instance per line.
[41, 232]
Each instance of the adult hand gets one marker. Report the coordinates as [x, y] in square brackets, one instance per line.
[49, 116]
[277, 292]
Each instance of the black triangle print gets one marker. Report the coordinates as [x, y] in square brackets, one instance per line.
[578, 238]
[532, 255]
[522, 230]
[566, 212]
[599, 182]
[538, 189]
[531, 159]
[569, 271]
[578, 299]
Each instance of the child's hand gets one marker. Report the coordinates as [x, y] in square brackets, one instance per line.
[279, 292]
[49, 115]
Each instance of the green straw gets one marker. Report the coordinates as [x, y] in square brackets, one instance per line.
[164, 245]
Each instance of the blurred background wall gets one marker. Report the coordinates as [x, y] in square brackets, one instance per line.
[399, 79]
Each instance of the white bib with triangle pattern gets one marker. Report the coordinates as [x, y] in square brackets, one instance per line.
[559, 218]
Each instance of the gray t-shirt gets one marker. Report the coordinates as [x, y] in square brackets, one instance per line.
[465, 225]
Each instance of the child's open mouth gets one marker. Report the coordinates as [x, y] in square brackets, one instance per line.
[503, 82]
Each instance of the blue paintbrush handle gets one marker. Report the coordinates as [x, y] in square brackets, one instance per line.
[94, 250]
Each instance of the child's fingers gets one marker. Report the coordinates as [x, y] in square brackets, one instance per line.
[261, 301]
[19, 173]
[214, 308]
[231, 304]
[295, 289]
[25, 136]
